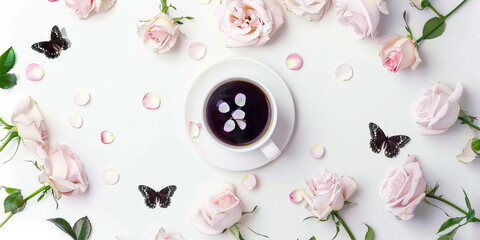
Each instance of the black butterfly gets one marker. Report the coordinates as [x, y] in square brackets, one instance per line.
[391, 144]
[53, 47]
[162, 197]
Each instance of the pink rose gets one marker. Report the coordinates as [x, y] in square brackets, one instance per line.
[30, 126]
[404, 188]
[159, 33]
[360, 17]
[220, 211]
[63, 171]
[327, 192]
[438, 109]
[310, 9]
[248, 22]
[82, 9]
[398, 53]
[164, 235]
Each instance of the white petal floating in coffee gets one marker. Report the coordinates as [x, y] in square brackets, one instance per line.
[229, 126]
[107, 137]
[194, 129]
[238, 114]
[242, 124]
[34, 72]
[296, 196]
[223, 107]
[344, 72]
[294, 61]
[249, 181]
[317, 151]
[110, 176]
[76, 121]
[197, 50]
[204, 2]
[240, 99]
[82, 98]
[151, 101]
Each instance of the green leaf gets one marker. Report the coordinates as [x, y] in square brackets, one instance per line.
[337, 226]
[311, 218]
[450, 222]
[7, 80]
[449, 236]
[313, 238]
[10, 190]
[41, 197]
[467, 201]
[82, 228]
[254, 209]
[434, 28]
[369, 235]
[236, 232]
[64, 226]
[471, 215]
[7, 60]
[476, 145]
[13, 202]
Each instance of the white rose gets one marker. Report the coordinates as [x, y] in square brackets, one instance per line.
[310, 9]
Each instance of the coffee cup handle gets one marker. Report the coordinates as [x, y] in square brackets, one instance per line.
[270, 150]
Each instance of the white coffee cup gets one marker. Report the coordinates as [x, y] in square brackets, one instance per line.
[264, 143]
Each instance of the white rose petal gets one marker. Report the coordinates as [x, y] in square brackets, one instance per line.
[110, 176]
[249, 181]
[76, 121]
[151, 101]
[343, 72]
[82, 98]
[197, 50]
[317, 151]
[34, 72]
[107, 137]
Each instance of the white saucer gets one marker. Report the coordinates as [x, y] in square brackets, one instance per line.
[206, 147]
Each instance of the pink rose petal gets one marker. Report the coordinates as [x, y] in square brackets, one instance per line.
[240, 99]
[194, 129]
[223, 107]
[344, 72]
[34, 72]
[229, 126]
[296, 196]
[197, 50]
[76, 121]
[294, 61]
[242, 124]
[238, 114]
[317, 151]
[107, 137]
[249, 181]
[82, 98]
[151, 101]
[52, 0]
[110, 176]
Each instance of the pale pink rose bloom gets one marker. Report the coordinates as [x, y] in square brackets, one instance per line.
[164, 235]
[159, 33]
[30, 125]
[417, 3]
[360, 17]
[248, 22]
[438, 109]
[404, 189]
[327, 192]
[82, 9]
[398, 53]
[63, 171]
[220, 211]
[311, 10]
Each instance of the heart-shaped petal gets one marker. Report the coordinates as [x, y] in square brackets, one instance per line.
[238, 114]
[76, 121]
[344, 72]
[249, 181]
[151, 101]
[317, 151]
[82, 98]
[110, 176]
[34, 72]
[197, 50]
[240, 99]
[242, 124]
[229, 126]
[296, 196]
[223, 107]
[107, 137]
[294, 61]
[194, 129]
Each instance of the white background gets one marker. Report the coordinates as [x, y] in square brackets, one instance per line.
[107, 59]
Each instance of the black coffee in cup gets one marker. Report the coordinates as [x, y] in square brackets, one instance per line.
[238, 112]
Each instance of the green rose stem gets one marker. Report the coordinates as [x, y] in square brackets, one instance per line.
[441, 199]
[441, 22]
[8, 126]
[464, 120]
[44, 188]
[350, 234]
[12, 136]
[435, 10]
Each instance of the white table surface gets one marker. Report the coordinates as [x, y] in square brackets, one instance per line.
[107, 59]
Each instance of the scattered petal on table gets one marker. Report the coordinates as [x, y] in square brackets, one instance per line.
[34, 72]
[229, 126]
[82, 98]
[107, 137]
[52, 0]
[240, 99]
[197, 50]
[204, 2]
[317, 151]
[238, 114]
[294, 61]
[151, 101]
[296, 196]
[76, 121]
[344, 72]
[110, 176]
[194, 129]
[249, 181]
[242, 124]
[223, 107]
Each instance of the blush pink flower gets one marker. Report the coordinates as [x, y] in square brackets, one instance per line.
[398, 53]
[404, 189]
[159, 33]
[82, 9]
[248, 22]
[311, 10]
